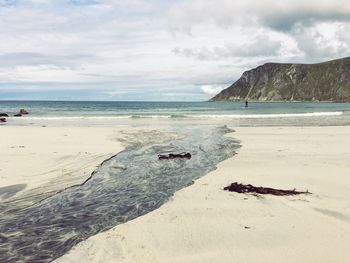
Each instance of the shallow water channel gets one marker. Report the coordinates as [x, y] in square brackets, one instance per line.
[129, 185]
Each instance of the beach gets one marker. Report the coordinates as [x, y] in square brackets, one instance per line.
[50, 159]
[203, 223]
[81, 181]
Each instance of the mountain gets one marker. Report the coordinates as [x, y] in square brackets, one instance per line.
[327, 81]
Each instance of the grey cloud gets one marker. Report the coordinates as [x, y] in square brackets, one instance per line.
[296, 21]
[261, 46]
[38, 59]
[285, 21]
[278, 15]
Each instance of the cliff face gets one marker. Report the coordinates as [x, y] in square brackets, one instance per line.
[327, 81]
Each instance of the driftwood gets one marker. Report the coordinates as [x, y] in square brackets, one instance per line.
[183, 155]
[248, 188]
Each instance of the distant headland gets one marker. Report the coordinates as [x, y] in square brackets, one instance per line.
[327, 81]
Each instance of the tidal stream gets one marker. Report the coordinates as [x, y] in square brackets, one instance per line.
[131, 184]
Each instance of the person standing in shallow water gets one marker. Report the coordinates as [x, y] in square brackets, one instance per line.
[246, 104]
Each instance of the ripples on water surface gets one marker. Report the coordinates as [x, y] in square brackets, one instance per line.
[128, 185]
[106, 113]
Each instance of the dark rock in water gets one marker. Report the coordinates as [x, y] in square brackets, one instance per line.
[174, 155]
[2, 119]
[327, 81]
[3, 114]
[23, 111]
[248, 188]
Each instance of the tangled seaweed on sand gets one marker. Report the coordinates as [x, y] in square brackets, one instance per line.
[248, 188]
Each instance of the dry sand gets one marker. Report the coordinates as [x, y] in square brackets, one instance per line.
[203, 223]
[49, 159]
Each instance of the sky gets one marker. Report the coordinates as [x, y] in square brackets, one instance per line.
[157, 50]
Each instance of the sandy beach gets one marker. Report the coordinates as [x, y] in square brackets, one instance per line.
[203, 223]
[49, 159]
[175, 131]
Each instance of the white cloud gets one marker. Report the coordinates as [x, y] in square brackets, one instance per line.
[211, 89]
[323, 40]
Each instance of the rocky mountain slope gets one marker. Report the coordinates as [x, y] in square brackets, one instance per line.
[327, 81]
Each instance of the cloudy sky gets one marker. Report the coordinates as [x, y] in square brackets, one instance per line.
[157, 49]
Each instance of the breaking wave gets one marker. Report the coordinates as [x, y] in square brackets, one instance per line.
[188, 116]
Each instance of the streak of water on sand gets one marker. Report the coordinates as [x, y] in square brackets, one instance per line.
[129, 185]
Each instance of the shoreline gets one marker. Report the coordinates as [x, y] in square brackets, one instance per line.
[202, 223]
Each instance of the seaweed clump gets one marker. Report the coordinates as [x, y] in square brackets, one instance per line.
[248, 188]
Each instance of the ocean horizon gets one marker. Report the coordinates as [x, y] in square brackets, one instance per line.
[107, 112]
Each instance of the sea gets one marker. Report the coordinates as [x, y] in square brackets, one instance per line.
[96, 113]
